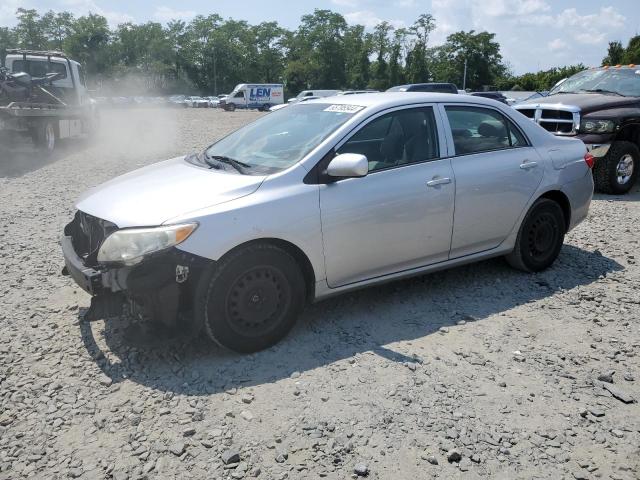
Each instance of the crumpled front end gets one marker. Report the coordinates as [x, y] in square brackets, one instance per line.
[157, 288]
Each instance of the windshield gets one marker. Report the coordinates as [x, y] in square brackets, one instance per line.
[621, 81]
[282, 138]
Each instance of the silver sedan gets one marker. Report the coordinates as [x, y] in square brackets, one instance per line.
[320, 198]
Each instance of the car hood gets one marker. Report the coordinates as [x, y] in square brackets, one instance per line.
[155, 194]
[586, 102]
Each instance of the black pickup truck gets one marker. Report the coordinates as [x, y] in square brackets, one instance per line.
[601, 106]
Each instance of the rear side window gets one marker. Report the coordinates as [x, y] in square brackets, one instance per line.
[39, 69]
[478, 129]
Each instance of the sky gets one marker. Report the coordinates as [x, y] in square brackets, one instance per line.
[533, 34]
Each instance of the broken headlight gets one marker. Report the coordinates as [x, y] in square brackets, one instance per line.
[130, 245]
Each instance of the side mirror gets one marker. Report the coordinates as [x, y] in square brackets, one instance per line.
[348, 165]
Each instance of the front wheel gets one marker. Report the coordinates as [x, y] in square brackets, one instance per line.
[540, 237]
[251, 299]
[617, 172]
[230, 107]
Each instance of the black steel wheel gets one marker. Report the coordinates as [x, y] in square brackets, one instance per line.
[251, 298]
[540, 237]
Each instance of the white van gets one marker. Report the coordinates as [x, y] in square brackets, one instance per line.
[254, 95]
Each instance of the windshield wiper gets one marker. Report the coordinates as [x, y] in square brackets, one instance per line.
[601, 90]
[237, 164]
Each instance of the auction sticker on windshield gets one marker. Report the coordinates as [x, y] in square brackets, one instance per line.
[343, 108]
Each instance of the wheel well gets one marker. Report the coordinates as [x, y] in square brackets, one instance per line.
[562, 200]
[299, 256]
[630, 133]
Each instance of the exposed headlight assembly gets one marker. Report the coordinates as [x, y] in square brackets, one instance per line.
[597, 126]
[130, 245]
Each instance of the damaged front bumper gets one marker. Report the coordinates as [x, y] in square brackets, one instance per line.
[157, 288]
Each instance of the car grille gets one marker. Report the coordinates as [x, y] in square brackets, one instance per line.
[87, 233]
[559, 120]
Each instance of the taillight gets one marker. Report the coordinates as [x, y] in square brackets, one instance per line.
[589, 159]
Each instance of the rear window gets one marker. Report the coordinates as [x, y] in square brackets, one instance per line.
[37, 68]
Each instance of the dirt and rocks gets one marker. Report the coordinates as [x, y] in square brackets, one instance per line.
[477, 372]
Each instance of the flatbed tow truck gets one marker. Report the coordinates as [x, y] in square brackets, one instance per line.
[43, 95]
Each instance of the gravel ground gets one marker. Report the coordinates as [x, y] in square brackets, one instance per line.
[480, 371]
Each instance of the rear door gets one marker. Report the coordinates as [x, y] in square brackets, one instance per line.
[497, 172]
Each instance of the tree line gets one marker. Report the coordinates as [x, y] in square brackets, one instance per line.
[211, 54]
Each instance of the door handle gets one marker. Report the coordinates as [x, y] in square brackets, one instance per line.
[527, 164]
[438, 181]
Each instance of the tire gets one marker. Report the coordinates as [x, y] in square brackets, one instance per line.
[251, 299]
[540, 237]
[44, 136]
[617, 172]
[230, 107]
[265, 107]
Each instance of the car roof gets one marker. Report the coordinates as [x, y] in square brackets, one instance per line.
[394, 99]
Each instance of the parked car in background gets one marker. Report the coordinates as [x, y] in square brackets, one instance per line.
[516, 96]
[253, 95]
[177, 101]
[600, 106]
[425, 87]
[197, 102]
[323, 197]
[497, 96]
[282, 105]
[355, 92]
[313, 93]
[213, 101]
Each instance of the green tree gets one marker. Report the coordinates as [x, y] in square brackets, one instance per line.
[269, 40]
[56, 28]
[29, 31]
[7, 40]
[632, 52]
[396, 69]
[381, 44]
[481, 53]
[89, 43]
[615, 52]
[319, 40]
[357, 52]
[417, 66]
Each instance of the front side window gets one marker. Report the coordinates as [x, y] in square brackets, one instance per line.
[239, 95]
[398, 138]
[478, 129]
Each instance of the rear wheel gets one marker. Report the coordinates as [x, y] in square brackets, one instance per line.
[617, 172]
[251, 299]
[540, 237]
[44, 136]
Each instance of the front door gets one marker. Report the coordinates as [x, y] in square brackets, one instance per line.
[400, 215]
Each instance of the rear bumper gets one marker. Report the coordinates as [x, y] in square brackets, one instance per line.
[579, 192]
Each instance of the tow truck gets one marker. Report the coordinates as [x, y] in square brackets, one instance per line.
[43, 95]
